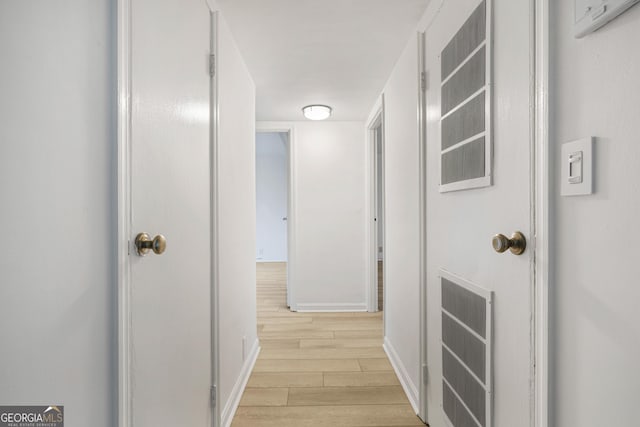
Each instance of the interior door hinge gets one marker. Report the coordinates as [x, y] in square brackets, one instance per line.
[423, 81]
[425, 375]
[213, 395]
[212, 65]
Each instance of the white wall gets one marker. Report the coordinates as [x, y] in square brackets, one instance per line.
[402, 221]
[236, 216]
[328, 194]
[329, 162]
[57, 208]
[271, 195]
[596, 344]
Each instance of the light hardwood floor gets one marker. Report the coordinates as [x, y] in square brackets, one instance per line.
[380, 285]
[319, 369]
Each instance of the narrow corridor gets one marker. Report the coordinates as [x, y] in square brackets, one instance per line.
[319, 369]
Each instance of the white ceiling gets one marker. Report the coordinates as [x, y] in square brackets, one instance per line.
[334, 52]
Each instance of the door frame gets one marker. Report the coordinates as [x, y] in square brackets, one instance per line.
[289, 129]
[124, 210]
[214, 180]
[422, 171]
[541, 194]
[540, 219]
[375, 119]
[123, 216]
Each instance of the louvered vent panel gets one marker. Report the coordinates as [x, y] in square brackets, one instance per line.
[465, 105]
[466, 352]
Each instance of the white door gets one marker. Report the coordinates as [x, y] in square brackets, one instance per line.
[170, 333]
[480, 368]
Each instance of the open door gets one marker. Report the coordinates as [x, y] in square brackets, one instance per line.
[165, 194]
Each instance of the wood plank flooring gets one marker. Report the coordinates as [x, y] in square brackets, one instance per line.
[380, 285]
[319, 369]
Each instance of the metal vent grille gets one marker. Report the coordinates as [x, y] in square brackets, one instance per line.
[466, 352]
[465, 105]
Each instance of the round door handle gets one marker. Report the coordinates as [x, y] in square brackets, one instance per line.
[516, 244]
[144, 244]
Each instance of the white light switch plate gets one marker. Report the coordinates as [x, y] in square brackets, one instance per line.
[576, 178]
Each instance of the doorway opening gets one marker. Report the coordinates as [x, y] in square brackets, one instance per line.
[376, 235]
[272, 200]
[379, 212]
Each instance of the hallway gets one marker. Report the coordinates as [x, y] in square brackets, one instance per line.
[319, 369]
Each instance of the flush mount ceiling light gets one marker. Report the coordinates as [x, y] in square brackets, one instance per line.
[316, 112]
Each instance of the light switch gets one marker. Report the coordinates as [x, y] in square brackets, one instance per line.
[577, 168]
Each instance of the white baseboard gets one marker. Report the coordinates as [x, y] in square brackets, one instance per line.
[409, 387]
[331, 307]
[231, 406]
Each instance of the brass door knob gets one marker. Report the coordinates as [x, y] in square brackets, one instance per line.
[144, 244]
[517, 243]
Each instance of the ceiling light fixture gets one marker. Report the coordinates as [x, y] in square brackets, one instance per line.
[316, 112]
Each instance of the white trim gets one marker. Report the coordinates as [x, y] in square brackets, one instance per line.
[408, 386]
[425, 23]
[288, 128]
[488, 97]
[461, 281]
[484, 181]
[376, 118]
[542, 199]
[464, 142]
[375, 112]
[322, 307]
[214, 169]
[422, 196]
[231, 406]
[124, 213]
